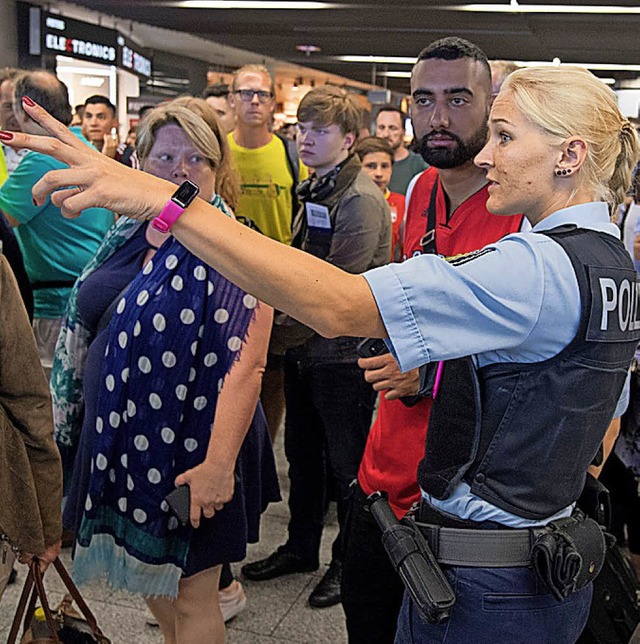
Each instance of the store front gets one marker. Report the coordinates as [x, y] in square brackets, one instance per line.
[88, 58]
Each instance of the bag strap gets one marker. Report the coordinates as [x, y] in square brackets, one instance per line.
[428, 241]
[77, 597]
[20, 610]
[35, 585]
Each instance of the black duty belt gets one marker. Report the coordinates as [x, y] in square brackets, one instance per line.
[479, 548]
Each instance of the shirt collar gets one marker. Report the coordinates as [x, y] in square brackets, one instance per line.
[593, 215]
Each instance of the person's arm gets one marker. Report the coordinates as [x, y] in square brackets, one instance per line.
[25, 398]
[212, 482]
[14, 223]
[607, 445]
[286, 278]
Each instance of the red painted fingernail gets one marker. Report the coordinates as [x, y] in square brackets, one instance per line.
[27, 101]
[5, 136]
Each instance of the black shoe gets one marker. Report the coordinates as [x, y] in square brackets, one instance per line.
[13, 575]
[281, 562]
[327, 592]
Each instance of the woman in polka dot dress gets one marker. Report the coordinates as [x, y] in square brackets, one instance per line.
[171, 384]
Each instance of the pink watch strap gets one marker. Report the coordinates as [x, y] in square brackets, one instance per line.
[167, 217]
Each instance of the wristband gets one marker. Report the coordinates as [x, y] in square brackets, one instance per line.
[178, 203]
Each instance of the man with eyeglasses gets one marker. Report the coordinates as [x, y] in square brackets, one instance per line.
[267, 178]
[269, 173]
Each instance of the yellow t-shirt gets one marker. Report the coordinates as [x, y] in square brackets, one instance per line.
[3, 167]
[266, 184]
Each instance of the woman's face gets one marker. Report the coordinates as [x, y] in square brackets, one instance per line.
[174, 157]
[520, 161]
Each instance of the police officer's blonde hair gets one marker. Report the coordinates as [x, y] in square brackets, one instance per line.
[568, 101]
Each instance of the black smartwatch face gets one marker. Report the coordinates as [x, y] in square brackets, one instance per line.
[185, 194]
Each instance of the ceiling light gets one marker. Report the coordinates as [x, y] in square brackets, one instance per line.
[597, 66]
[308, 49]
[250, 4]
[395, 74]
[515, 7]
[403, 60]
[400, 60]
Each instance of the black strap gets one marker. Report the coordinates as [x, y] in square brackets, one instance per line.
[428, 241]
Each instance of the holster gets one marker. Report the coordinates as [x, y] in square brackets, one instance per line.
[414, 561]
[567, 554]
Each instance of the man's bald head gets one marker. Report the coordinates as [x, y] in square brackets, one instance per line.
[45, 89]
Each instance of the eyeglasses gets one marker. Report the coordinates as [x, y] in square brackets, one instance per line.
[247, 95]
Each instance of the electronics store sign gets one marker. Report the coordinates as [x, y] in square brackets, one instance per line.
[133, 60]
[79, 39]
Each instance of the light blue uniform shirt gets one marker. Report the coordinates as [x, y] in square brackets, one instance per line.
[514, 301]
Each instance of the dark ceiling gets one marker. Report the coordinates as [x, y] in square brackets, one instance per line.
[396, 28]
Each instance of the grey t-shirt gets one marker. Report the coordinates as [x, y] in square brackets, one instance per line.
[404, 171]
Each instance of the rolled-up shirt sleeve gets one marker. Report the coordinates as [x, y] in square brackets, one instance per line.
[491, 300]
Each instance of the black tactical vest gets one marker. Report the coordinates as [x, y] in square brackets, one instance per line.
[523, 435]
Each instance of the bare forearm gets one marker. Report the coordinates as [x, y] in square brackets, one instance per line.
[240, 392]
[607, 445]
[321, 296]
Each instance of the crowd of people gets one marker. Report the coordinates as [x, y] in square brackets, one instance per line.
[486, 255]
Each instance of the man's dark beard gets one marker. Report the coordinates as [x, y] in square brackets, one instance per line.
[445, 158]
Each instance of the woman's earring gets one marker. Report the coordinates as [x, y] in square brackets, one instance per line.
[563, 173]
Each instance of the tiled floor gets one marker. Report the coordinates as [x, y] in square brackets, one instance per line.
[277, 611]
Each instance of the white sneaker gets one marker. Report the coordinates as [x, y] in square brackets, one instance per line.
[232, 600]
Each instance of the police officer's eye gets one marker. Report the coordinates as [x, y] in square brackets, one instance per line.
[458, 100]
[422, 101]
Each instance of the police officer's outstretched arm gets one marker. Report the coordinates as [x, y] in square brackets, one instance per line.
[314, 292]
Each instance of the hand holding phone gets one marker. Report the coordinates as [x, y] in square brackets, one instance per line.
[371, 347]
[179, 502]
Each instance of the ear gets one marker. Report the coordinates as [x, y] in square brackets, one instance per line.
[349, 140]
[573, 154]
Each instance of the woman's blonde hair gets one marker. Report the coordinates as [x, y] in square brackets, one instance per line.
[200, 123]
[567, 101]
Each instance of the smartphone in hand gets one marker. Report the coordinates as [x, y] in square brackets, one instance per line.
[179, 502]
[371, 347]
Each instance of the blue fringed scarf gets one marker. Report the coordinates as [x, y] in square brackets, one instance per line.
[172, 340]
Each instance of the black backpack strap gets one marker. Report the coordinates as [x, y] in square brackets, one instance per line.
[293, 161]
[428, 241]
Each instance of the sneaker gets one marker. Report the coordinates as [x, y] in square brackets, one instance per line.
[232, 600]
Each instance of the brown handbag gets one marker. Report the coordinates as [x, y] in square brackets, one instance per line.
[62, 627]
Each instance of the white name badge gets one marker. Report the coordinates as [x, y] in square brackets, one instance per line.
[317, 216]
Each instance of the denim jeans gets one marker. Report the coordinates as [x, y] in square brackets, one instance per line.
[329, 409]
[499, 606]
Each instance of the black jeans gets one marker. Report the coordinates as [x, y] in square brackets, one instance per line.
[371, 589]
[329, 408]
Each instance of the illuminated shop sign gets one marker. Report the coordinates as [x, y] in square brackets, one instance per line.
[133, 60]
[79, 39]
